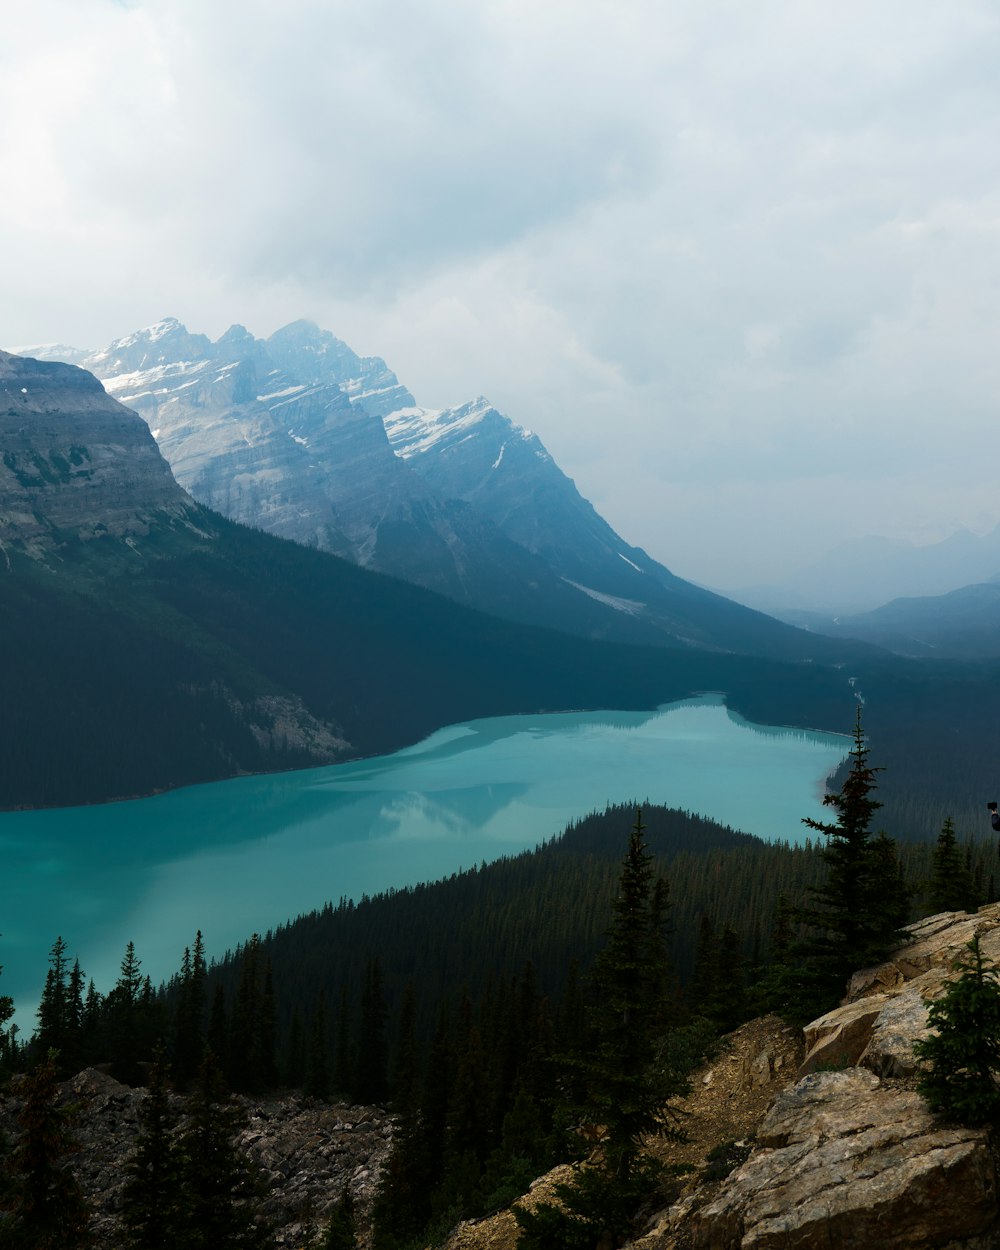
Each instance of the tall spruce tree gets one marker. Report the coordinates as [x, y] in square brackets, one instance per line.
[858, 913]
[152, 1193]
[963, 1053]
[370, 1081]
[189, 1016]
[627, 1068]
[7, 1035]
[951, 885]
[220, 1188]
[54, 1031]
[48, 1211]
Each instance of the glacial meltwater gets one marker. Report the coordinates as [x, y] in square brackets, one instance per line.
[238, 857]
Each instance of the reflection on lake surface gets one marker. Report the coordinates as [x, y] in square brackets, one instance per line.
[241, 856]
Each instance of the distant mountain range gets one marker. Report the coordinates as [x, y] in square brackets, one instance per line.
[866, 573]
[962, 624]
[150, 642]
[297, 435]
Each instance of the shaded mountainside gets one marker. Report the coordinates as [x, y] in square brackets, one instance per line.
[286, 434]
[158, 644]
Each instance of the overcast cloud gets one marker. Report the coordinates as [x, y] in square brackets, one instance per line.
[737, 265]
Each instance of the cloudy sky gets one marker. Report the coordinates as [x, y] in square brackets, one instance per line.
[736, 264]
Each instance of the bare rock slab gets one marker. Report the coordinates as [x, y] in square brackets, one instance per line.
[847, 1162]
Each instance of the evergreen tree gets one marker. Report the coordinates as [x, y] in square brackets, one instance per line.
[628, 1072]
[54, 1031]
[951, 883]
[217, 1040]
[343, 1067]
[152, 1194]
[7, 1035]
[251, 1040]
[220, 1189]
[48, 1211]
[370, 1079]
[189, 1016]
[859, 911]
[317, 1082]
[293, 1068]
[730, 1002]
[964, 1052]
[341, 1231]
[124, 1009]
[702, 995]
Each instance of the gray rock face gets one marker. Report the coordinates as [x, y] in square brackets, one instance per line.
[475, 453]
[305, 351]
[308, 1153]
[280, 435]
[845, 1162]
[885, 1010]
[853, 1157]
[74, 462]
[286, 435]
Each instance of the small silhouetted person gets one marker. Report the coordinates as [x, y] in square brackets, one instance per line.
[994, 816]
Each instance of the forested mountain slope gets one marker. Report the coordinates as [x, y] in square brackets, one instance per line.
[158, 644]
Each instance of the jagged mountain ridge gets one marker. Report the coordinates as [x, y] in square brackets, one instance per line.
[287, 434]
[303, 456]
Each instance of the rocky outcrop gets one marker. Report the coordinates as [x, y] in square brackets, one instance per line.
[74, 463]
[850, 1154]
[884, 1011]
[843, 1160]
[308, 1152]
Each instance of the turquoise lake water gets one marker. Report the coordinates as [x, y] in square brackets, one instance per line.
[242, 856]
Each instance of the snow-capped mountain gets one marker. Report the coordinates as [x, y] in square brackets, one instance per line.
[298, 435]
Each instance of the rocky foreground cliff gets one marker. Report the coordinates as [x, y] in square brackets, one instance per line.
[832, 1145]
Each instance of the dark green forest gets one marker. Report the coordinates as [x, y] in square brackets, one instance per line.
[461, 1002]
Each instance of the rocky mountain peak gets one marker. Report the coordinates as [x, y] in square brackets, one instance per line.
[165, 342]
[74, 461]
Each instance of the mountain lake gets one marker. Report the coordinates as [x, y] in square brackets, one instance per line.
[242, 856]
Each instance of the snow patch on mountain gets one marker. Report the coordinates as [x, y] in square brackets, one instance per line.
[415, 431]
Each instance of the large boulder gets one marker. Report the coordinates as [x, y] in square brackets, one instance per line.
[844, 1161]
[885, 1010]
[850, 1155]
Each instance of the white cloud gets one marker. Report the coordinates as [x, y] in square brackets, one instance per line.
[736, 264]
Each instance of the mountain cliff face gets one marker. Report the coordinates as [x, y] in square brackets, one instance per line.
[286, 435]
[75, 460]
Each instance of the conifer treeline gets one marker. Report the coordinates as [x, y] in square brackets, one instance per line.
[316, 998]
[454, 1000]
